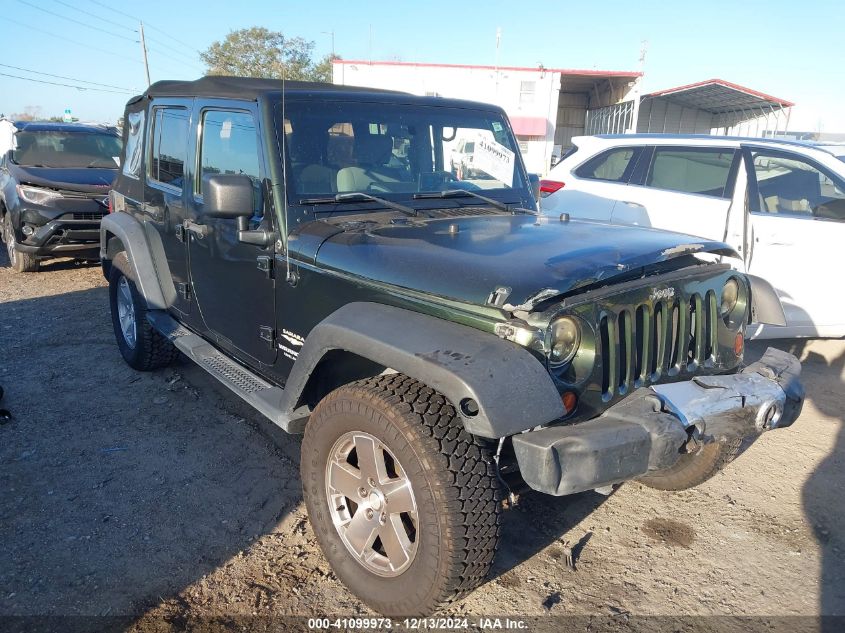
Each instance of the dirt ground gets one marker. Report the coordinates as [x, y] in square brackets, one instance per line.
[161, 497]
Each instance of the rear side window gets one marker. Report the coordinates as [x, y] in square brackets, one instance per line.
[614, 165]
[134, 147]
[701, 170]
[169, 146]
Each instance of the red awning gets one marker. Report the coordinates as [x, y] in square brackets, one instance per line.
[528, 125]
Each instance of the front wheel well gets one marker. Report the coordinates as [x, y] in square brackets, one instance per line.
[114, 245]
[337, 368]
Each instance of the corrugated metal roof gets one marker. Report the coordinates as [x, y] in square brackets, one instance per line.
[719, 96]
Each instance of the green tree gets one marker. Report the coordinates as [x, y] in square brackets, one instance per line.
[259, 52]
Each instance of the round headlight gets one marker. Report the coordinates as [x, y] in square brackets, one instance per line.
[565, 341]
[730, 296]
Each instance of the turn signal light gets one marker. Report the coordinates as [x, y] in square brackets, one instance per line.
[570, 400]
[739, 344]
[548, 187]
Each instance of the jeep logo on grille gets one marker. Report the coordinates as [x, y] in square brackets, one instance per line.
[661, 293]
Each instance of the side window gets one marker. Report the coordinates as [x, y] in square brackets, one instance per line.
[614, 165]
[169, 146]
[229, 145]
[134, 146]
[699, 170]
[790, 185]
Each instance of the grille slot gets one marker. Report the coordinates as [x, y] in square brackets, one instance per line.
[643, 343]
[95, 215]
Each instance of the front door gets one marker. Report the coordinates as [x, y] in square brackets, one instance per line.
[798, 229]
[232, 281]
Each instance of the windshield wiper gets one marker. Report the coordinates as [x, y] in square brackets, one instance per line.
[355, 196]
[453, 193]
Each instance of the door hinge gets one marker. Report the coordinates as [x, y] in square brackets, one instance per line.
[184, 290]
[180, 233]
[265, 265]
[267, 333]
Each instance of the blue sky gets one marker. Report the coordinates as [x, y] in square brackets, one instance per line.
[788, 49]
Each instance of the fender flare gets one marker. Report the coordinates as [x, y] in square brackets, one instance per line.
[131, 234]
[765, 304]
[512, 388]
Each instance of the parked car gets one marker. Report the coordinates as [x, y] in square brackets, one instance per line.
[461, 159]
[437, 346]
[779, 203]
[54, 186]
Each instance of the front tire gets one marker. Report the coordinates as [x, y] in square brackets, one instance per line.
[20, 262]
[141, 346]
[693, 469]
[404, 502]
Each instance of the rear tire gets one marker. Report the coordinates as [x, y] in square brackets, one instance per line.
[448, 526]
[20, 262]
[693, 469]
[141, 346]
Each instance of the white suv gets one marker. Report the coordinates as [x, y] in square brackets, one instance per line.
[780, 204]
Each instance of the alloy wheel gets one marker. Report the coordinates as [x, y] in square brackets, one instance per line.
[372, 504]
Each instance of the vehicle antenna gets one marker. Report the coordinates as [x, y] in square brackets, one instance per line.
[288, 276]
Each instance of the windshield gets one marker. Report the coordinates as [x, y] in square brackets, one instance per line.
[397, 150]
[67, 149]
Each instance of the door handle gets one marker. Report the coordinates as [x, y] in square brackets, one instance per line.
[630, 203]
[200, 230]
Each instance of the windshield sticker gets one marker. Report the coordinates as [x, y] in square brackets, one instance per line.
[494, 159]
[497, 127]
[226, 130]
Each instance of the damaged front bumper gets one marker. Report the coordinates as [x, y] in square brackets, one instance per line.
[647, 431]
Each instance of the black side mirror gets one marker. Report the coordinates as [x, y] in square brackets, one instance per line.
[534, 181]
[228, 196]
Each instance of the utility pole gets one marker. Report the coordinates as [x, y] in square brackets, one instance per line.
[637, 92]
[332, 34]
[144, 51]
[498, 41]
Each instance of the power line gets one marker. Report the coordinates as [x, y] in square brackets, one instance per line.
[151, 26]
[82, 81]
[54, 83]
[62, 37]
[98, 17]
[80, 22]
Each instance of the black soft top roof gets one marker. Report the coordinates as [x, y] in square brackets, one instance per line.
[250, 88]
[246, 87]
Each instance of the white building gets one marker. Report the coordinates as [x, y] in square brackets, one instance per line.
[548, 106]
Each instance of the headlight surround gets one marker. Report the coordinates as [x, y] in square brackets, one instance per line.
[733, 303]
[37, 195]
[565, 340]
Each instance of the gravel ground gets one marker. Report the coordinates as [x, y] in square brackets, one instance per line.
[161, 497]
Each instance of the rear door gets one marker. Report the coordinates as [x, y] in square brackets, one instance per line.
[232, 280]
[797, 212]
[165, 192]
[681, 188]
[595, 186]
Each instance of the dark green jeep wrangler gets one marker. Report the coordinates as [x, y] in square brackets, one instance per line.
[440, 345]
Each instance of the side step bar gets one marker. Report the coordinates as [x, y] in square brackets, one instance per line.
[254, 390]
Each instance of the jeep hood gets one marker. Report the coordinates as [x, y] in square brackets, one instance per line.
[537, 257]
[90, 180]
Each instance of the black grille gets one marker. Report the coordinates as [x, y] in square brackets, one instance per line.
[643, 343]
[465, 211]
[93, 215]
